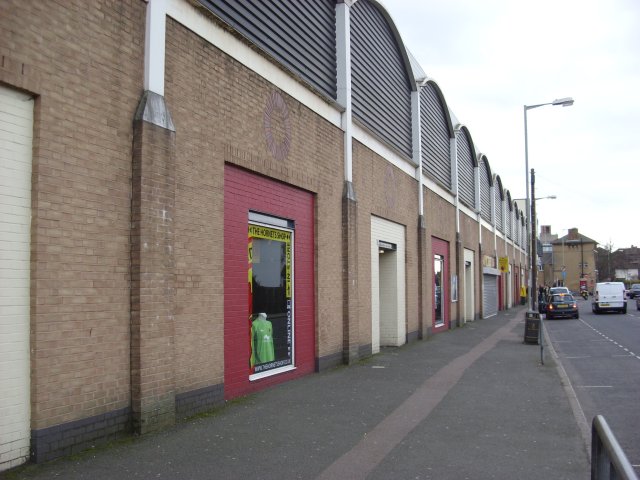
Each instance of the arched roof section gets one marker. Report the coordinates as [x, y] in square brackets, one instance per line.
[381, 76]
[483, 163]
[413, 69]
[464, 130]
[486, 181]
[443, 104]
[466, 158]
[301, 36]
[436, 131]
[499, 200]
[508, 220]
[497, 183]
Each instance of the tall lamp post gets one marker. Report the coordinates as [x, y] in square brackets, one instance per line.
[565, 102]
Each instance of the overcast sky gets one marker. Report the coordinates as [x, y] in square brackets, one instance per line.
[492, 57]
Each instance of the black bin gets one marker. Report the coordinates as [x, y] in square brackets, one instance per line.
[531, 327]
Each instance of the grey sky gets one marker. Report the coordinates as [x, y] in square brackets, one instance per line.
[492, 57]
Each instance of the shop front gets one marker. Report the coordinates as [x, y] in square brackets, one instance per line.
[269, 325]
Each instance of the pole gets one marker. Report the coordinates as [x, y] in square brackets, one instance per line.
[528, 204]
[534, 262]
[581, 259]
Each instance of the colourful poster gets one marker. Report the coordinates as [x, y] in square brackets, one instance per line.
[270, 293]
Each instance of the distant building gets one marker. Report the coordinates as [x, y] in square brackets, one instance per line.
[622, 264]
[546, 238]
[573, 260]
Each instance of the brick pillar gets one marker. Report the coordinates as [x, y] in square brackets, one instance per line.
[423, 327]
[152, 266]
[350, 274]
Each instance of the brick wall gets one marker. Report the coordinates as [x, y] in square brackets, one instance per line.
[218, 107]
[84, 65]
[385, 191]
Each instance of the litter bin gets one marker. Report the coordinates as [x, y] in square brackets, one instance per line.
[531, 327]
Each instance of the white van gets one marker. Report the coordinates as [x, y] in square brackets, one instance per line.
[609, 296]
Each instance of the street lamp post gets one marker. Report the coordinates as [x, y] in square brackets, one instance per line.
[531, 233]
[565, 102]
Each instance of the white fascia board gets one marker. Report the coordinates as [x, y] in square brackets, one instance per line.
[436, 188]
[485, 224]
[373, 143]
[186, 14]
[491, 271]
[468, 211]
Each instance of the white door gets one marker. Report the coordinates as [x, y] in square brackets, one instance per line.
[16, 127]
[388, 303]
[469, 286]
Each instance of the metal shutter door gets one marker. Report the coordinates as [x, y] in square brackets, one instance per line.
[16, 127]
[489, 295]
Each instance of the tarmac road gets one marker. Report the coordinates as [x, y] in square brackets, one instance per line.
[601, 355]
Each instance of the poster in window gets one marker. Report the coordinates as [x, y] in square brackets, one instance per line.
[270, 298]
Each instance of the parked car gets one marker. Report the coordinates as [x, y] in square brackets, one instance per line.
[609, 296]
[634, 291]
[542, 302]
[562, 305]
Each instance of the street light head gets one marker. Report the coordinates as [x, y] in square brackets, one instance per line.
[565, 102]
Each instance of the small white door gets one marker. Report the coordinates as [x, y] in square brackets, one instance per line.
[388, 303]
[469, 286]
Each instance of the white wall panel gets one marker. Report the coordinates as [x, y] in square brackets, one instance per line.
[16, 127]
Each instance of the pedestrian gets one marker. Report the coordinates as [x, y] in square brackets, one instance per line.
[523, 295]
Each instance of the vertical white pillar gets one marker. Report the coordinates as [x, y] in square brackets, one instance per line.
[343, 54]
[154, 46]
[417, 145]
[453, 156]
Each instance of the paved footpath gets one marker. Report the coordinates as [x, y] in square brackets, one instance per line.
[470, 403]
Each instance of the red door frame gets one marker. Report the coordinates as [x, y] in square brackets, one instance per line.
[441, 247]
[245, 191]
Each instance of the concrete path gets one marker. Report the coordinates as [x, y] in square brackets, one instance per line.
[473, 402]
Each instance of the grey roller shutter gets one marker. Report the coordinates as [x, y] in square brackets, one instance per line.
[489, 295]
